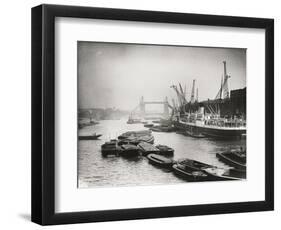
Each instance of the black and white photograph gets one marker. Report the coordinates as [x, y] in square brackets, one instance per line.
[152, 114]
[138, 113]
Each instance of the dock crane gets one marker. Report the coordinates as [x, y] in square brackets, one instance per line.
[179, 95]
[183, 94]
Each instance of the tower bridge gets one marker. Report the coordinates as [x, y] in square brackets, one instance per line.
[141, 111]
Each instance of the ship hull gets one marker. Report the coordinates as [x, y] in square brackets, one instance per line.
[215, 132]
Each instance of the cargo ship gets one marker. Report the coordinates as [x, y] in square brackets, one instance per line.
[223, 117]
[220, 128]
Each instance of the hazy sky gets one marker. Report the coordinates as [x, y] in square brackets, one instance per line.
[117, 75]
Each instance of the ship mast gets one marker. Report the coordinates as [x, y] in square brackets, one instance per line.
[225, 84]
[224, 91]
[192, 98]
[185, 92]
[181, 96]
[221, 87]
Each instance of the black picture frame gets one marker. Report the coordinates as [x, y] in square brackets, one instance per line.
[43, 113]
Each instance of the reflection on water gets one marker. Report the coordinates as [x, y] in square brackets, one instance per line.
[94, 170]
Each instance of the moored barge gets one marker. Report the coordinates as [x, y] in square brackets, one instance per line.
[90, 137]
[236, 159]
[129, 150]
[147, 148]
[160, 161]
[110, 148]
[165, 150]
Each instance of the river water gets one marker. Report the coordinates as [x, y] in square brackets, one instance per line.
[96, 171]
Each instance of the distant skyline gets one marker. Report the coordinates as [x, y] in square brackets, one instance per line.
[116, 75]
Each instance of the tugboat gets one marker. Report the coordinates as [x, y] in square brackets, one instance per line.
[132, 120]
[90, 137]
[160, 160]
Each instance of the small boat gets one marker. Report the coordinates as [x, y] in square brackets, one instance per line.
[155, 129]
[160, 160]
[237, 155]
[161, 128]
[194, 164]
[134, 121]
[191, 170]
[129, 150]
[110, 148]
[147, 148]
[165, 150]
[198, 171]
[148, 125]
[91, 122]
[189, 173]
[134, 134]
[220, 174]
[90, 137]
[234, 159]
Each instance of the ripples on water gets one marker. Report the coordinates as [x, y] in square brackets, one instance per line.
[95, 171]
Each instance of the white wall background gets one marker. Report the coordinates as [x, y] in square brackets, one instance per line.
[15, 113]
